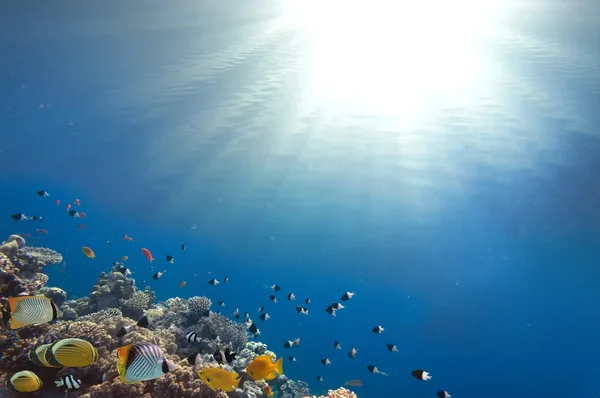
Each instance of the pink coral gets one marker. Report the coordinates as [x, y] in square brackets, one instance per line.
[339, 393]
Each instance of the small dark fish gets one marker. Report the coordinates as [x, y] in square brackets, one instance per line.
[247, 316]
[373, 369]
[253, 328]
[330, 310]
[307, 300]
[183, 246]
[337, 306]
[273, 298]
[119, 267]
[170, 259]
[236, 313]
[19, 217]
[223, 357]
[42, 193]
[74, 213]
[443, 394]
[36, 218]
[354, 383]
[392, 347]
[347, 296]
[226, 279]
[195, 359]
[325, 361]
[337, 345]
[420, 374]
[378, 329]
[291, 296]
[192, 337]
[288, 344]
[292, 359]
[158, 275]
[352, 352]
[264, 316]
[142, 323]
[319, 378]
[108, 242]
[213, 282]
[276, 288]
[297, 341]
[302, 310]
[69, 381]
[261, 309]
[221, 303]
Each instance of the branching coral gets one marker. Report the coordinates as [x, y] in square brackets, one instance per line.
[140, 301]
[197, 308]
[31, 259]
[228, 331]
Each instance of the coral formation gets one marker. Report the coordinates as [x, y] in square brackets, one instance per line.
[113, 303]
[339, 393]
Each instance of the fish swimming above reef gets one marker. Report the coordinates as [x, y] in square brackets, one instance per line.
[224, 356]
[42, 193]
[30, 310]
[170, 259]
[88, 252]
[69, 381]
[38, 356]
[217, 378]
[263, 367]
[158, 275]
[354, 383]
[24, 381]
[72, 352]
[147, 254]
[140, 362]
[213, 282]
[373, 369]
[443, 394]
[19, 217]
[420, 374]
[142, 323]
[347, 296]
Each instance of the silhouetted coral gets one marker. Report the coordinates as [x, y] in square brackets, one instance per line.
[339, 393]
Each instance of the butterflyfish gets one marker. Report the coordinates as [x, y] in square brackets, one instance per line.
[24, 381]
[32, 310]
[420, 374]
[262, 367]
[140, 362]
[73, 353]
[217, 378]
[38, 356]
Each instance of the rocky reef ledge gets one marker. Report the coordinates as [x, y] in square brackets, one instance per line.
[115, 301]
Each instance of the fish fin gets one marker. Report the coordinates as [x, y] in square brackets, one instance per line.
[236, 382]
[279, 366]
[59, 383]
[16, 324]
[143, 322]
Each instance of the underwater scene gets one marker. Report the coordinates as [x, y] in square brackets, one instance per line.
[300, 199]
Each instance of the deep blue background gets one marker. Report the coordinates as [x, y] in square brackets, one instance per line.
[478, 251]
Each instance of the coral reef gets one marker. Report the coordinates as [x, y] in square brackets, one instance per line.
[11, 246]
[113, 303]
[339, 393]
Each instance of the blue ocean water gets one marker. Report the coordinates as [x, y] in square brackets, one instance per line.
[454, 189]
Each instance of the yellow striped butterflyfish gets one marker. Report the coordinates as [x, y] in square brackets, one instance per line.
[24, 381]
[72, 353]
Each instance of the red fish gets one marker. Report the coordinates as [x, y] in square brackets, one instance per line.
[127, 238]
[82, 215]
[42, 231]
[147, 254]
[82, 226]
[77, 202]
[26, 235]
[68, 206]
[57, 201]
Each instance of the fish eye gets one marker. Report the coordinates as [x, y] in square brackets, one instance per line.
[208, 380]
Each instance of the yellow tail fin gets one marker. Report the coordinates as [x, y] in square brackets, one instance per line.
[279, 366]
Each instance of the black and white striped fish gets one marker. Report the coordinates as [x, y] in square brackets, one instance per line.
[140, 362]
[69, 381]
[223, 357]
[32, 310]
[192, 337]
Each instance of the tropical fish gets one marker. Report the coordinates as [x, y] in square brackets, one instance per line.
[43, 231]
[291, 296]
[262, 367]
[57, 201]
[36, 218]
[347, 296]
[330, 310]
[182, 284]
[302, 310]
[140, 362]
[82, 226]
[392, 347]
[288, 344]
[373, 369]
[170, 259]
[183, 246]
[74, 213]
[261, 309]
[192, 337]
[325, 361]
[276, 288]
[32, 310]
[213, 282]
[158, 275]
[354, 383]
[38, 356]
[337, 306]
[82, 215]
[352, 352]
[223, 357]
[147, 254]
[19, 217]
[217, 378]
[24, 381]
[72, 353]
[142, 323]
[42, 193]
[252, 328]
[77, 202]
[124, 258]
[221, 303]
[307, 300]
[69, 381]
[25, 235]
[337, 345]
[88, 252]
[443, 394]
[377, 329]
[292, 359]
[264, 316]
[226, 279]
[236, 313]
[273, 298]
[297, 341]
[127, 238]
[68, 206]
[319, 378]
[420, 374]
